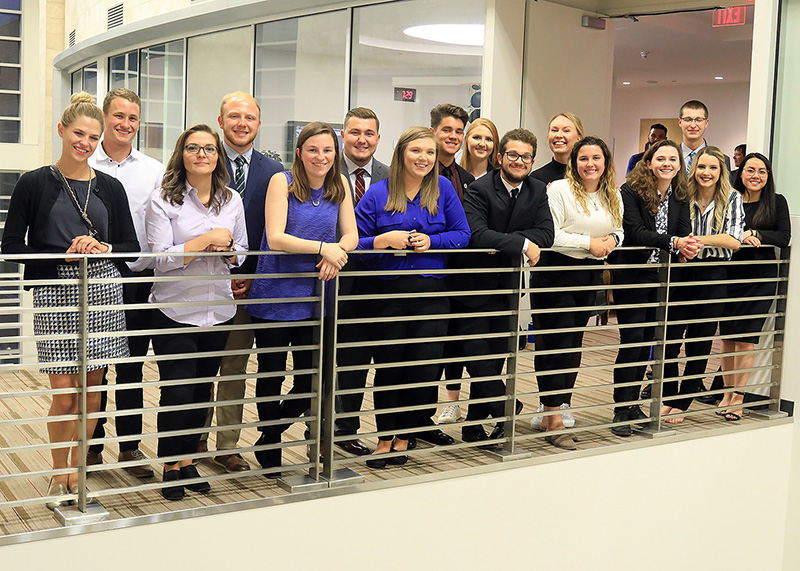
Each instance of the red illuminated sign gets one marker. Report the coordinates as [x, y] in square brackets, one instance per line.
[731, 16]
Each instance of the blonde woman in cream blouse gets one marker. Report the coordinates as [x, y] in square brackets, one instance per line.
[587, 215]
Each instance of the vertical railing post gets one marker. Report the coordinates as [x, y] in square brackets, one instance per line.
[512, 364]
[781, 291]
[83, 336]
[659, 349]
[329, 327]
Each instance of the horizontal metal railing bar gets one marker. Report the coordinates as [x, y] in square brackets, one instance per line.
[429, 317]
[425, 406]
[447, 294]
[402, 364]
[434, 339]
[419, 385]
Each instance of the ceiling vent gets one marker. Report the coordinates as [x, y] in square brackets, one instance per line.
[115, 16]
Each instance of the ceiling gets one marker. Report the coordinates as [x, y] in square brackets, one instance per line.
[684, 49]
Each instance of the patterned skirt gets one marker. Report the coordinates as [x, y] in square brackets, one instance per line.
[68, 322]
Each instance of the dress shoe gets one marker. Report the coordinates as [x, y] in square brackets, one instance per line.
[94, 458]
[498, 432]
[397, 460]
[354, 446]
[412, 442]
[232, 463]
[622, 429]
[172, 493]
[647, 392]
[189, 472]
[562, 440]
[473, 434]
[378, 463]
[134, 456]
[436, 437]
[57, 490]
[635, 413]
[268, 458]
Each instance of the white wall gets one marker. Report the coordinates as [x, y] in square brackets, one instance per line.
[727, 112]
[647, 507]
[555, 36]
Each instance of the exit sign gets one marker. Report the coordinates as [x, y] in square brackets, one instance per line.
[731, 16]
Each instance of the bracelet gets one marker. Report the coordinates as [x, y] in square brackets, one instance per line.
[230, 244]
[320, 248]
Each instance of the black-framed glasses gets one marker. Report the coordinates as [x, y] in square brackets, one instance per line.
[694, 119]
[512, 156]
[193, 149]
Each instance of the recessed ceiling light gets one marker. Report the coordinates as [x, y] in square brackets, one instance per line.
[459, 34]
[626, 83]
[719, 77]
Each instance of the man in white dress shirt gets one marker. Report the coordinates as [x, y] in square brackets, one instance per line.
[140, 175]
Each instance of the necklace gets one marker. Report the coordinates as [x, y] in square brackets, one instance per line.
[74, 196]
[315, 202]
[593, 196]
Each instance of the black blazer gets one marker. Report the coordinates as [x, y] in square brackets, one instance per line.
[640, 226]
[258, 174]
[497, 223]
[31, 202]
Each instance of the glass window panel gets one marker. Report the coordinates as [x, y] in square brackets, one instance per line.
[10, 4]
[9, 131]
[9, 78]
[383, 58]
[161, 90]
[9, 105]
[9, 25]
[229, 66]
[75, 82]
[300, 77]
[90, 79]
[9, 51]
[122, 73]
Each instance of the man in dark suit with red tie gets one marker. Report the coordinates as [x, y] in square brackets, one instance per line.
[250, 172]
[507, 211]
[360, 138]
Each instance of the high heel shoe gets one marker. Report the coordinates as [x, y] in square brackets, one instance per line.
[56, 490]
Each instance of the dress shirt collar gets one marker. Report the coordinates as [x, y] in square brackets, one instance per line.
[102, 156]
[510, 187]
[686, 150]
[231, 154]
[352, 167]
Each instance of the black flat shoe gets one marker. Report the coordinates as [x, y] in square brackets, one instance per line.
[498, 432]
[623, 429]
[189, 472]
[473, 434]
[397, 460]
[378, 463]
[436, 437]
[172, 493]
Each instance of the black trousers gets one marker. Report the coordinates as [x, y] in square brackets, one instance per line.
[189, 343]
[275, 362]
[705, 308]
[136, 320]
[490, 366]
[395, 350]
[352, 356]
[631, 317]
[572, 313]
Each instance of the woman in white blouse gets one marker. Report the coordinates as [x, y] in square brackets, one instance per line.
[587, 215]
[192, 212]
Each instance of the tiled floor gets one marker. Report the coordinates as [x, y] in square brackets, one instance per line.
[247, 487]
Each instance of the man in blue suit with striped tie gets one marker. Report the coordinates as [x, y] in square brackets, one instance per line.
[250, 171]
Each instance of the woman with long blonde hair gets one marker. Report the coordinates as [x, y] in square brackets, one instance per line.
[717, 219]
[587, 215]
[564, 130]
[415, 209]
[480, 141]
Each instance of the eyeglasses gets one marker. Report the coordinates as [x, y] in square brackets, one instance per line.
[208, 150]
[751, 171]
[694, 119]
[512, 156]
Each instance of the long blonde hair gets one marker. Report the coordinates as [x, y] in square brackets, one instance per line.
[722, 193]
[606, 190]
[429, 189]
[466, 158]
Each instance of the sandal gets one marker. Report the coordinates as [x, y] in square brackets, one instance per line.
[732, 416]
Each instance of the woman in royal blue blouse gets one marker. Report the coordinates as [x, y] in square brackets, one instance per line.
[414, 209]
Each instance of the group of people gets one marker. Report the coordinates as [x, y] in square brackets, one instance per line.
[221, 196]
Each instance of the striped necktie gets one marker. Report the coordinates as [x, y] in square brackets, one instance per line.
[360, 186]
[689, 162]
[238, 176]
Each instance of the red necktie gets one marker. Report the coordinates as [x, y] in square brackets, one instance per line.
[360, 190]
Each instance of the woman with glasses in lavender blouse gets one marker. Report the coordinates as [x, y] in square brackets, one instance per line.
[193, 211]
